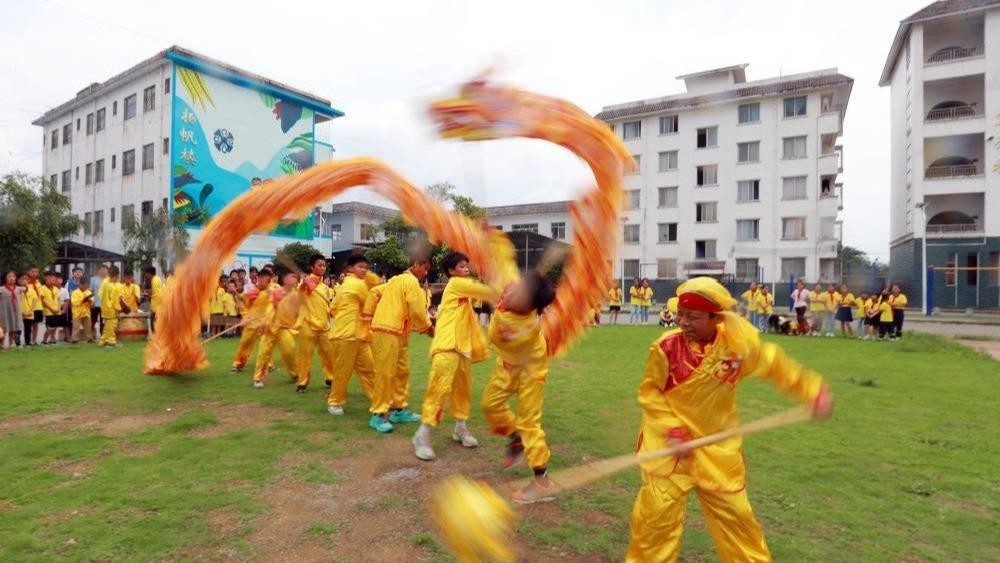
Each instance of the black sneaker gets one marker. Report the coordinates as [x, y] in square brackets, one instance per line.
[515, 452]
[327, 383]
[300, 388]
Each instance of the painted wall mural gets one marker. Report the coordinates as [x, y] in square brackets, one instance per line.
[228, 139]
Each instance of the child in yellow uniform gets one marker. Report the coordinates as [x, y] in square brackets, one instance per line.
[688, 390]
[316, 297]
[764, 302]
[817, 308]
[155, 294]
[615, 303]
[861, 305]
[634, 301]
[844, 311]
[81, 301]
[130, 294]
[281, 330]
[30, 302]
[49, 294]
[258, 313]
[231, 304]
[396, 308]
[898, 302]
[749, 298]
[885, 318]
[217, 308]
[351, 336]
[111, 305]
[458, 343]
[521, 368]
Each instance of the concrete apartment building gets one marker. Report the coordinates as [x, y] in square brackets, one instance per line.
[736, 179]
[943, 71]
[187, 133]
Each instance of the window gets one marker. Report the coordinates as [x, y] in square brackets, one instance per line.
[88, 223]
[747, 191]
[668, 125]
[112, 214]
[65, 181]
[972, 276]
[163, 203]
[793, 187]
[99, 126]
[166, 85]
[793, 268]
[668, 161]
[638, 164]
[746, 269]
[114, 161]
[54, 181]
[55, 139]
[631, 200]
[708, 175]
[524, 227]
[827, 228]
[949, 275]
[748, 152]
[793, 147]
[129, 108]
[67, 133]
[993, 277]
[749, 113]
[631, 130]
[708, 137]
[335, 231]
[667, 196]
[630, 268]
[114, 108]
[89, 174]
[98, 221]
[149, 99]
[128, 214]
[826, 103]
[559, 230]
[631, 234]
[666, 232]
[146, 211]
[705, 212]
[666, 268]
[166, 145]
[147, 157]
[90, 124]
[77, 172]
[78, 124]
[704, 249]
[128, 162]
[795, 107]
[793, 228]
[747, 229]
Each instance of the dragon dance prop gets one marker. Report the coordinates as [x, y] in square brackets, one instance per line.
[480, 112]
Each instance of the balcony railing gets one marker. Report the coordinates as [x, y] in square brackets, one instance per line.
[954, 228]
[952, 171]
[957, 112]
[705, 264]
[953, 54]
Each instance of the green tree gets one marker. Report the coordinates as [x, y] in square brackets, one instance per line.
[388, 257]
[445, 193]
[160, 239]
[34, 218]
[296, 253]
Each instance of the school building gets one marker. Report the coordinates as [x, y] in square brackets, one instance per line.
[186, 133]
[943, 72]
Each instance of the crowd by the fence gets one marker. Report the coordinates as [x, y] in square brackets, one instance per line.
[820, 311]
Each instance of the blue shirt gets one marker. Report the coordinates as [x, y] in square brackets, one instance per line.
[95, 286]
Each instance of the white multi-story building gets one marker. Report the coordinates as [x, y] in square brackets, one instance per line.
[735, 178]
[943, 71]
[550, 219]
[187, 133]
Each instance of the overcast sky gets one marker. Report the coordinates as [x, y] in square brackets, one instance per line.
[380, 62]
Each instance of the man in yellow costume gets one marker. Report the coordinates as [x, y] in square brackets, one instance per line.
[351, 336]
[458, 343]
[259, 310]
[155, 294]
[111, 305]
[316, 297]
[281, 330]
[688, 391]
[396, 308]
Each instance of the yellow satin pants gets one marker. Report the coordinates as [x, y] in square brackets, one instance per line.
[528, 384]
[351, 356]
[284, 341]
[450, 381]
[392, 372]
[308, 341]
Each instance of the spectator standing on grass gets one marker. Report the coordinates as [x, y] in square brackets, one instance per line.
[35, 286]
[614, 303]
[154, 294]
[885, 324]
[861, 310]
[10, 309]
[800, 302]
[74, 279]
[844, 311]
[765, 307]
[81, 300]
[750, 302]
[111, 305]
[66, 322]
[29, 300]
[831, 302]
[49, 294]
[646, 293]
[634, 301]
[898, 302]
[817, 308]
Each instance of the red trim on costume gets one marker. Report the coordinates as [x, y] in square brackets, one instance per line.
[681, 360]
[698, 302]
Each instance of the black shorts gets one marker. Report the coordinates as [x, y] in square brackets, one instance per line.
[55, 321]
[615, 308]
[39, 316]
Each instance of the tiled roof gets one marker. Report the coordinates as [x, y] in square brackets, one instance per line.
[528, 209]
[931, 11]
[750, 91]
[361, 208]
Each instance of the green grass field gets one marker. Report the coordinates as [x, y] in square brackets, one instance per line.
[99, 462]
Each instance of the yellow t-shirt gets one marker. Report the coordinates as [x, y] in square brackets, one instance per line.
[645, 296]
[155, 293]
[229, 305]
[817, 301]
[885, 310]
[80, 306]
[847, 300]
[216, 304]
[898, 301]
[50, 299]
[863, 306]
[765, 303]
[635, 295]
[30, 302]
[111, 292]
[832, 301]
[130, 294]
[750, 298]
[615, 296]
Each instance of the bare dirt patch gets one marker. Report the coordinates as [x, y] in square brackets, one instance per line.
[240, 417]
[95, 419]
[131, 449]
[67, 515]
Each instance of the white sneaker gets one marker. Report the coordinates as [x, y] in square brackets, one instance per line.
[335, 410]
[463, 436]
[258, 384]
[422, 447]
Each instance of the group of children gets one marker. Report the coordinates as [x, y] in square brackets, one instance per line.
[818, 312]
[45, 309]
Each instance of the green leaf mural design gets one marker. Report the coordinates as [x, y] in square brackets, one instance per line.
[268, 100]
[303, 141]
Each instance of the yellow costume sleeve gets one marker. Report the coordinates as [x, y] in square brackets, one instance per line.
[658, 416]
[416, 306]
[792, 378]
[371, 302]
